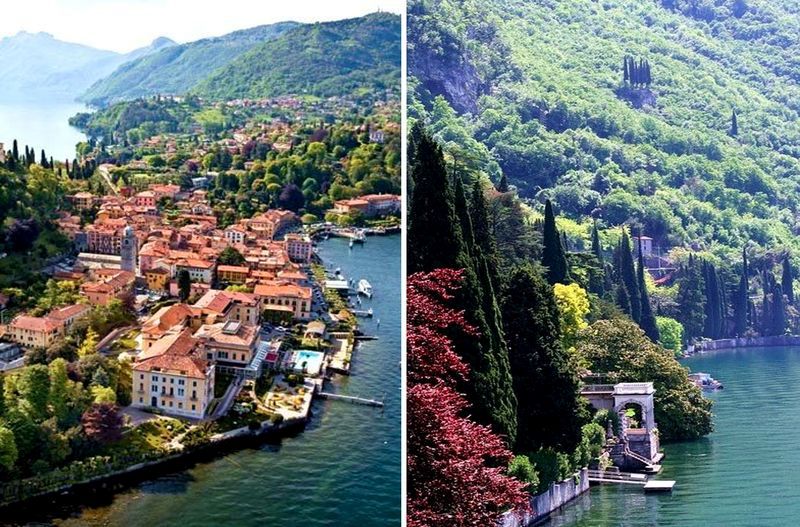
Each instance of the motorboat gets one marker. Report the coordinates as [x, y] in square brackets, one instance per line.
[705, 382]
[365, 288]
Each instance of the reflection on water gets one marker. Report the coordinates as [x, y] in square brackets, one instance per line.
[746, 473]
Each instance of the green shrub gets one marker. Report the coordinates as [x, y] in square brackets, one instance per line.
[522, 469]
[602, 418]
[552, 466]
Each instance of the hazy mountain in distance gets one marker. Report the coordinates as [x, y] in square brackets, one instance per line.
[37, 66]
[179, 68]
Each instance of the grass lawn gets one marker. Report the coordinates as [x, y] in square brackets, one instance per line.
[151, 436]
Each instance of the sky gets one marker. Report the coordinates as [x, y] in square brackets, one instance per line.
[124, 25]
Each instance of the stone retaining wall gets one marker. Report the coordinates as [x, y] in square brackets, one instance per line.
[743, 342]
[558, 495]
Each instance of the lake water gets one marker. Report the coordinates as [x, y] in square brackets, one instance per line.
[344, 469]
[747, 473]
[41, 125]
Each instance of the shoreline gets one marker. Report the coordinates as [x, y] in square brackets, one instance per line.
[110, 484]
[741, 342]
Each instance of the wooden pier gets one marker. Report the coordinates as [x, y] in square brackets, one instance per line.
[627, 478]
[351, 399]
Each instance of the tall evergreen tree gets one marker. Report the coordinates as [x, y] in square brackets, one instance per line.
[597, 279]
[778, 311]
[626, 273]
[43, 160]
[648, 320]
[623, 299]
[734, 124]
[741, 304]
[15, 151]
[545, 382]
[435, 239]
[713, 309]
[787, 280]
[502, 185]
[553, 257]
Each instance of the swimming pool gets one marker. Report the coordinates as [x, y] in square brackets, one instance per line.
[308, 362]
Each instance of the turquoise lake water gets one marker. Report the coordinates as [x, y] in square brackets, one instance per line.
[343, 470]
[746, 473]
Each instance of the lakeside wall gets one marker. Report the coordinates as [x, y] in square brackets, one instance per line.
[743, 342]
[556, 496]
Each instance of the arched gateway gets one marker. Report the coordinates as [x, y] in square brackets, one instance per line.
[638, 443]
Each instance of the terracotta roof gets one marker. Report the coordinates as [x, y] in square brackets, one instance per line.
[232, 269]
[30, 323]
[174, 353]
[276, 289]
[166, 318]
[63, 313]
[175, 342]
[245, 335]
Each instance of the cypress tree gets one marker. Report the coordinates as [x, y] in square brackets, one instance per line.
[545, 382]
[648, 320]
[627, 275]
[597, 279]
[691, 300]
[778, 311]
[502, 185]
[625, 72]
[623, 299]
[43, 161]
[742, 301]
[484, 239]
[15, 151]
[553, 257]
[787, 280]
[713, 309]
[734, 124]
[435, 239]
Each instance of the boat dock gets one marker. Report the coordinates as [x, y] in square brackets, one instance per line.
[627, 478]
[351, 399]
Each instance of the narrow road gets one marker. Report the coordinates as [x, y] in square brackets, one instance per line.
[103, 169]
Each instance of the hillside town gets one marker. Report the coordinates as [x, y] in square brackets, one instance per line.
[210, 302]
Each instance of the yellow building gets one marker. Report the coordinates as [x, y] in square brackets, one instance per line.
[173, 377]
[157, 279]
[232, 274]
[41, 332]
[283, 295]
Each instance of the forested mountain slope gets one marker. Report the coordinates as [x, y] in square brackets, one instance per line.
[177, 69]
[333, 58]
[536, 91]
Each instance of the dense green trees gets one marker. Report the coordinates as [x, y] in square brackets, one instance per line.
[647, 320]
[620, 348]
[437, 240]
[625, 273]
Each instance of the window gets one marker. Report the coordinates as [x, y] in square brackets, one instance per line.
[172, 381]
[194, 383]
[154, 388]
[193, 407]
[140, 400]
[180, 405]
[181, 392]
[194, 394]
[181, 382]
[141, 375]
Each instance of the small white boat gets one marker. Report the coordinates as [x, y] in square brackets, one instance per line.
[365, 288]
[705, 382]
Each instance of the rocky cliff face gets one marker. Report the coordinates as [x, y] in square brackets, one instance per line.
[454, 78]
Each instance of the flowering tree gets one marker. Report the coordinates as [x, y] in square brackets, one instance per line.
[455, 466]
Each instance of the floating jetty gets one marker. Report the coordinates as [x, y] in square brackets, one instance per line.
[627, 478]
[351, 399]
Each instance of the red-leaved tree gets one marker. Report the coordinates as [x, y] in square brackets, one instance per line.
[456, 467]
[103, 422]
